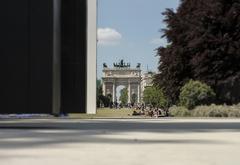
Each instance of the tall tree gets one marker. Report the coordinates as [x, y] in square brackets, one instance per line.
[204, 44]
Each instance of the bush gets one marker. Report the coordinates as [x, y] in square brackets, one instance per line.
[196, 93]
[206, 111]
[209, 111]
[179, 112]
[216, 111]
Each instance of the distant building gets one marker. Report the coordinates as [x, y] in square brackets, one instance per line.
[122, 74]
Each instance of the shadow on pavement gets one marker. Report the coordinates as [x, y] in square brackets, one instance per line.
[121, 125]
[34, 133]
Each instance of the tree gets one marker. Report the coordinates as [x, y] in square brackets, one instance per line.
[109, 96]
[196, 93]
[124, 96]
[106, 101]
[102, 100]
[99, 93]
[133, 98]
[155, 97]
[204, 44]
[148, 95]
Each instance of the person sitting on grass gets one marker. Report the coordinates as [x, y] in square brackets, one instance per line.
[135, 113]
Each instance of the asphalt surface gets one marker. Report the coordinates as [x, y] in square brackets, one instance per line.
[120, 142]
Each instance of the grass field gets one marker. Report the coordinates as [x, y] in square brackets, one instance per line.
[106, 113]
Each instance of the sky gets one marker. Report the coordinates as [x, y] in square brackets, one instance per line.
[131, 30]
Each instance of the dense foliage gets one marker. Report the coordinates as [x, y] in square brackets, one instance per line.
[102, 100]
[195, 93]
[154, 96]
[179, 111]
[204, 45]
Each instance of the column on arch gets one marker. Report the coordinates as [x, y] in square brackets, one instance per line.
[129, 91]
[114, 92]
[104, 88]
[139, 93]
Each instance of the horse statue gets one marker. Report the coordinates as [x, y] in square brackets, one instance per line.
[139, 65]
[105, 65]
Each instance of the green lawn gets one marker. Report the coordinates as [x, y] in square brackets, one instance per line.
[106, 113]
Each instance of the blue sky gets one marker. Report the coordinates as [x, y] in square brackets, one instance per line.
[130, 30]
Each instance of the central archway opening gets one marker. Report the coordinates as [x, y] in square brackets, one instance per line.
[122, 96]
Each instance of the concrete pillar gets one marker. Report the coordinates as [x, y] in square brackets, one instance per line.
[139, 94]
[104, 88]
[114, 92]
[91, 56]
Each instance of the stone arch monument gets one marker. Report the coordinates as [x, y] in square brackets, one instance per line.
[122, 75]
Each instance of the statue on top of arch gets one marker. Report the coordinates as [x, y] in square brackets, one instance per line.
[139, 65]
[105, 65]
[121, 64]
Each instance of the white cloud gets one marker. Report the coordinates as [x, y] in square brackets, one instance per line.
[159, 41]
[108, 36]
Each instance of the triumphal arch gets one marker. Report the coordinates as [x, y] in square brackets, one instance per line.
[122, 74]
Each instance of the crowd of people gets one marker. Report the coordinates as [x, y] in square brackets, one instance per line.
[142, 110]
[151, 112]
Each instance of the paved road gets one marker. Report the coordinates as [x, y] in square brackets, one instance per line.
[120, 142]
